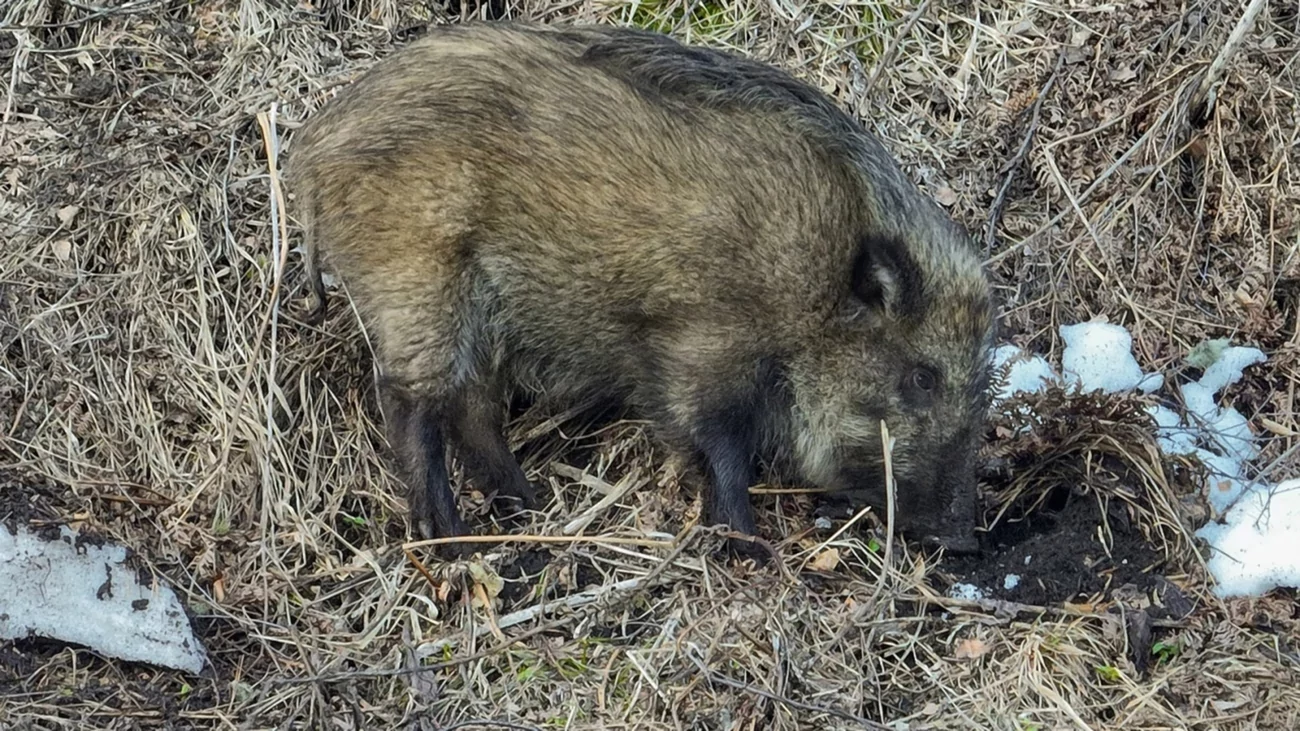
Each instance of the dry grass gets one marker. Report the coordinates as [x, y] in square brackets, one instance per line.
[151, 388]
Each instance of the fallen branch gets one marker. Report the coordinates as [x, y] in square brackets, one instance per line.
[573, 601]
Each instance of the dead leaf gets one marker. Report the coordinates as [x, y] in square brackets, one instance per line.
[1174, 600]
[424, 683]
[827, 560]
[1140, 638]
[482, 601]
[1022, 28]
[1276, 428]
[67, 213]
[62, 249]
[1074, 56]
[492, 584]
[971, 648]
[1124, 73]
[945, 196]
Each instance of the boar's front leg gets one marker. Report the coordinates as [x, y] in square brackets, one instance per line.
[725, 439]
[715, 398]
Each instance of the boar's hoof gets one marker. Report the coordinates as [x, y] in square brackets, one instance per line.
[427, 531]
[524, 496]
[741, 549]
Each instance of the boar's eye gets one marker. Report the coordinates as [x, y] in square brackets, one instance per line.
[920, 383]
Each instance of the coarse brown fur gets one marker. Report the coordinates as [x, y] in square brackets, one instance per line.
[597, 214]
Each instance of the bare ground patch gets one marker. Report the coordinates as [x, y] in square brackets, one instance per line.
[151, 390]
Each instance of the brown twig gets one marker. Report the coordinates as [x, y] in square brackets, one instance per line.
[510, 725]
[1201, 100]
[1012, 168]
[887, 58]
[522, 538]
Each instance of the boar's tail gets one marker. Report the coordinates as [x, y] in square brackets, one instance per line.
[311, 263]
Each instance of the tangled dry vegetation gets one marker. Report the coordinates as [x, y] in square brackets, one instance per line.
[151, 390]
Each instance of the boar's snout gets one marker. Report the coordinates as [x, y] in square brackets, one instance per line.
[957, 515]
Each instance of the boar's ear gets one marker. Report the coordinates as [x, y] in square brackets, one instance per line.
[886, 276]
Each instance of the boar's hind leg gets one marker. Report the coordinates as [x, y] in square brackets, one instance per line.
[478, 432]
[415, 432]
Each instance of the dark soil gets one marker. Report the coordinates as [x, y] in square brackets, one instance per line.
[25, 498]
[1058, 556]
[521, 575]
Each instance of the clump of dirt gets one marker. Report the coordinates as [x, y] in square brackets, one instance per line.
[25, 498]
[1069, 553]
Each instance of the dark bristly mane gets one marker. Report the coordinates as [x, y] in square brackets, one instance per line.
[677, 76]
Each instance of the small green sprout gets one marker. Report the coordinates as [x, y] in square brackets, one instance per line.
[1109, 673]
[1165, 651]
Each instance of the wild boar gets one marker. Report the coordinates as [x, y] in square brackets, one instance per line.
[607, 215]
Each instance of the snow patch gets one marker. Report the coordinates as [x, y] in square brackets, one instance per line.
[1228, 368]
[969, 592]
[1099, 357]
[85, 595]
[1026, 373]
[1255, 547]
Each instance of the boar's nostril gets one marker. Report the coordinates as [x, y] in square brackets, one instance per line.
[958, 545]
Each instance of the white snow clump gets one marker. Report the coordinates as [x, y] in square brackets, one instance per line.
[1027, 373]
[85, 595]
[1099, 357]
[969, 592]
[1257, 545]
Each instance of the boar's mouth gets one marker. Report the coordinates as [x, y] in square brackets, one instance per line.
[929, 509]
